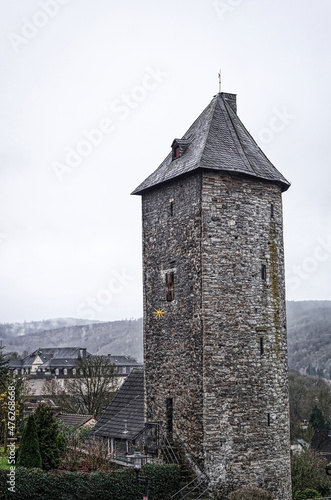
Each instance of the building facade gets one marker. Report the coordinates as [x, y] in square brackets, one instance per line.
[215, 344]
[62, 364]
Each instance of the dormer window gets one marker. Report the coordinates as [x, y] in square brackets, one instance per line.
[175, 151]
[179, 147]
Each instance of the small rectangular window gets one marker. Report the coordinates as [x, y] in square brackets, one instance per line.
[170, 286]
[268, 419]
[261, 346]
[264, 272]
[171, 208]
[272, 210]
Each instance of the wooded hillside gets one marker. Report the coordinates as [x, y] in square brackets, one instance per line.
[309, 336]
[113, 337]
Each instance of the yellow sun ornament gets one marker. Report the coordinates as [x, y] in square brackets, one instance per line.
[159, 313]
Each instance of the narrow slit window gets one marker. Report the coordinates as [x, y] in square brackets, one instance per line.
[261, 346]
[272, 210]
[171, 208]
[264, 272]
[268, 418]
[170, 286]
[169, 414]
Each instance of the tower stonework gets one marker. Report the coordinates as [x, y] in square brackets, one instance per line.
[213, 265]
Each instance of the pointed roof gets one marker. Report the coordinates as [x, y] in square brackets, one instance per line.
[217, 140]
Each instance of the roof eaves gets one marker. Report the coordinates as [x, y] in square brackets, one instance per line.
[281, 179]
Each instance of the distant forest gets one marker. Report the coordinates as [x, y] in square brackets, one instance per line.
[308, 328]
[113, 337]
[309, 337]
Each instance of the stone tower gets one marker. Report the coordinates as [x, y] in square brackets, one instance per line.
[215, 342]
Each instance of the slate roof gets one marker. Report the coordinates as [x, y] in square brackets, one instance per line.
[51, 357]
[127, 405]
[21, 363]
[123, 360]
[15, 363]
[217, 140]
[73, 420]
[56, 363]
[57, 352]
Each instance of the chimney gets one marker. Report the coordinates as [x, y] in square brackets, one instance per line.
[231, 100]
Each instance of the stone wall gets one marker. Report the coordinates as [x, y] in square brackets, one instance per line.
[246, 414]
[219, 352]
[173, 344]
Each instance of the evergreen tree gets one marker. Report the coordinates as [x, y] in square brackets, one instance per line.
[316, 419]
[29, 454]
[4, 382]
[4, 368]
[48, 436]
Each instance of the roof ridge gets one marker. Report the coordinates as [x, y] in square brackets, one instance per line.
[258, 147]
[242, 152]
[214, 101]
[76, 414]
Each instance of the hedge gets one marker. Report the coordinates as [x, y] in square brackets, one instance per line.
[251, 493]
[34, 484]
[307, 493]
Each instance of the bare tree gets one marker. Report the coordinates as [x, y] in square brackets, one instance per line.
[90, 391]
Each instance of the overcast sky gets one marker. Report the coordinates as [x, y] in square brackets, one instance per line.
[93, 94]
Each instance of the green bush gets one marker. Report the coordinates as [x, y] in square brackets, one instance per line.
[251, 494]
[307, 493]
[34, 484]
[308, 472]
